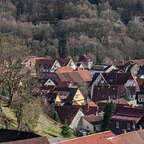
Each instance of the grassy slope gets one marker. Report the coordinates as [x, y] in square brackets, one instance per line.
[44, 127]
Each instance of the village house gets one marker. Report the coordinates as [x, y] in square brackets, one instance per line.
[102, 69]
[130, 66]
[67, 62]
[65, 95]
[40, 64]
[80, 117]
[75, 77]
[96, 120]
[127, 118]
[105, 86]
[86, 62]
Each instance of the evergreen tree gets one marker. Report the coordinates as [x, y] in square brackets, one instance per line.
[110, 109]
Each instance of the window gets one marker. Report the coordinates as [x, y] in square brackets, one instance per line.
[77, 96]
[133, 126]
[128, 126]
[117, 124]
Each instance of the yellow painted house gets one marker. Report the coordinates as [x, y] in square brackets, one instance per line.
[69, 96]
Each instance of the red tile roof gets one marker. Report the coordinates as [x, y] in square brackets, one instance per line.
[99, 138]
[39, 140]
[127, 138]
[75, 76]
[85, 75]
[65, 69]
[91, 104]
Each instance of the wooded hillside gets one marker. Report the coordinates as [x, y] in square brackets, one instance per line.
[102, 29]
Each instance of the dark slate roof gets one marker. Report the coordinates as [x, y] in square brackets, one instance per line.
[49, 75]
[100, 67]
[84, 58]
[140, 84]
[105, 92]
[39, 140]
[13, 135]
[63, 61]
[129, 114]
[116, 78]
[66, 113]
[46, 62]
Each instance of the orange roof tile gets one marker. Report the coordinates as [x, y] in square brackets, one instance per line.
[91, 104]
[85, 74]
[99, 138]
[65, 69]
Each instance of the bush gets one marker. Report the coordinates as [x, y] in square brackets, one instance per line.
[66, 131]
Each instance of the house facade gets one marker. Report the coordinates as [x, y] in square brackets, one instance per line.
[127, 119]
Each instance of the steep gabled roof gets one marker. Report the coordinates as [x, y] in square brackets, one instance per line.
[113, 78]
[70, 91]
[116, 78]
[106, 92]
[46, 62]
[49, 75]
[63, 61]
[67, 112]
[99, 138]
